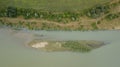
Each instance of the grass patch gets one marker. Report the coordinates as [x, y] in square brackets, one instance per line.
[76, 46]
[94, 26]
[52, 5]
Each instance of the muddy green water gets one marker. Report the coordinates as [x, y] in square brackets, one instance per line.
[15, 53]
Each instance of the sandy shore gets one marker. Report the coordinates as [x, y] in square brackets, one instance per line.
[40, 45]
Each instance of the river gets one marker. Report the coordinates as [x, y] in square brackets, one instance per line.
[14, 51]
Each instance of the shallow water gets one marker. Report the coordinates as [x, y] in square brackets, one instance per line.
[15, 53]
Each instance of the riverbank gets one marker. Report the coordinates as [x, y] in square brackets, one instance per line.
[105, 17]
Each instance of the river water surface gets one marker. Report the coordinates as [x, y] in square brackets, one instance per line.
[14, 51]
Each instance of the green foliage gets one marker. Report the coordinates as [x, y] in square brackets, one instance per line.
[98, 22]
[47, 15]
[97, 11]
[94, 26]
[11, 12]
[112, 16]
[76, 46]
[3, 12]
[1, 23]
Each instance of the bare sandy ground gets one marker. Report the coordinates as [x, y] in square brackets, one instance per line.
[40, 45]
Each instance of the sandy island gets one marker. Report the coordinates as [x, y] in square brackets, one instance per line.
[77, 46]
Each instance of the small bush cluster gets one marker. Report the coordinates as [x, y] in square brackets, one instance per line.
[34, 13]
[94, 26]
[76, 46]
[112, 16]
[11, 12]
[3, 12]
[97, 11]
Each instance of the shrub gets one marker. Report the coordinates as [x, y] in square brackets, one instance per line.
[1, 22]
[112, 16]
[94, 26]
[11, 12]
[76, 46]
[98, 22]
[3, 13]
[97, 11]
